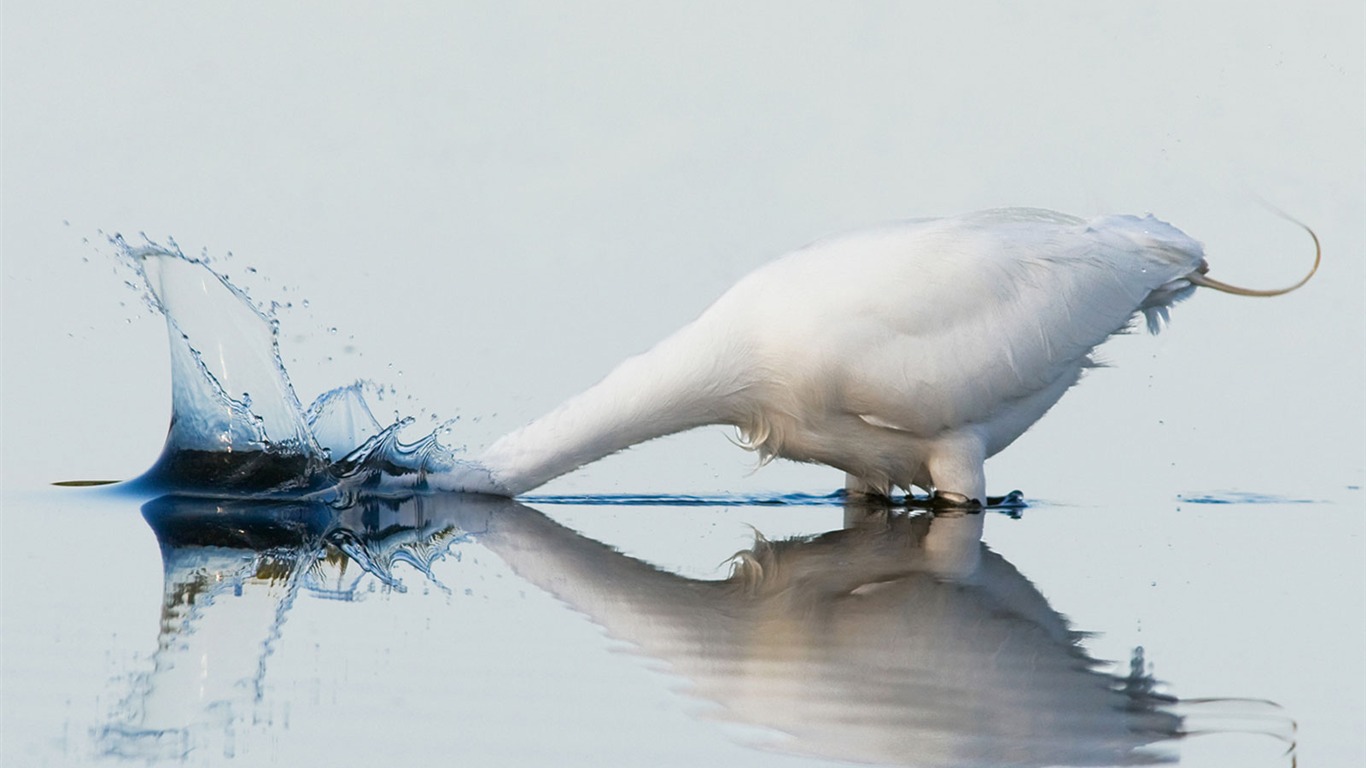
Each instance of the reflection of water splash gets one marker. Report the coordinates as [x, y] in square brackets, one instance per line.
[229, 583]
[233, 572]
[236, 422]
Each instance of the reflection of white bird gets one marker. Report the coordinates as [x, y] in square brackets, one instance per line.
[904, 355]
[901, 640]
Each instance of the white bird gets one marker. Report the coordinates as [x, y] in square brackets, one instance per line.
[905, 355]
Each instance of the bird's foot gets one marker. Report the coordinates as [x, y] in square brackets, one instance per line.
[1012, 500]
[948, 501]
[867, 498]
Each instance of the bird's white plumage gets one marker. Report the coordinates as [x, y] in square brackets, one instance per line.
[904, 355]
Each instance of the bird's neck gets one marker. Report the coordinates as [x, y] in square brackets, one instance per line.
[688, 380]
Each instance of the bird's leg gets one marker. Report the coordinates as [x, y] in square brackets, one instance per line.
[863, 500]
[856, 487]
[956, 471]
[948, 500]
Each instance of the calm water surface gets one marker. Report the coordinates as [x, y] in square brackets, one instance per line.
[457, 628]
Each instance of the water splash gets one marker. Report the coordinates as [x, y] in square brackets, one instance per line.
[235, 420]
[341, 420]
[237, 425]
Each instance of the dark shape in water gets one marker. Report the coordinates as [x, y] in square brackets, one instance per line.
[182, 521]
[191, 469]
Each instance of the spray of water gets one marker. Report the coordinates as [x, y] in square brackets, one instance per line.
[237, 426]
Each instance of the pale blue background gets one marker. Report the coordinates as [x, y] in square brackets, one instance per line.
[493, 203]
